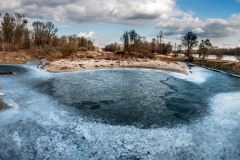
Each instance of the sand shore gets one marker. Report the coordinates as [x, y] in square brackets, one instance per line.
[65, 65]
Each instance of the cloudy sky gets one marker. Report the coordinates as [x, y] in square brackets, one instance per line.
[105, 20]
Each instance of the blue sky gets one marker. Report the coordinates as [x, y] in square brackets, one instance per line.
[210, 8]
[105, 20]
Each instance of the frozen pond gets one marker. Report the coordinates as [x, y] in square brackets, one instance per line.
[119, 114]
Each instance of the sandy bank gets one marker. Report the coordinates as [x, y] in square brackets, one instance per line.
[79, 65]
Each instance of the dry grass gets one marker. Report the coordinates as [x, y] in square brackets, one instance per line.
[15, 57]
[98, 56]
[227, 66]
[54, 57]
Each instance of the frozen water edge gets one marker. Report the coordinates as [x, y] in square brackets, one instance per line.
[196, 74]
[42, 129]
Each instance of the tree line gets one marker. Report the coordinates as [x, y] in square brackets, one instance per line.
[205, 48]
[190, 41]
[134, 42]
[15, 35]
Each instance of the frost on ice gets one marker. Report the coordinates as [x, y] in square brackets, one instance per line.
[43, 128]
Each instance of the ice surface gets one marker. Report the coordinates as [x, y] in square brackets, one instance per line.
[194, 74]
[43, 128]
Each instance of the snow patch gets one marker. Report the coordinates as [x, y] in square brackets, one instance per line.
[195, 74]
[13, 105]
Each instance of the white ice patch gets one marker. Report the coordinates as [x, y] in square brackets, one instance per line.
[226, 109]
[195, 74]
[13, 105]
[17, 139]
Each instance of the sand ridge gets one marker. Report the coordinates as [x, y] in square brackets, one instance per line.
[66, 65]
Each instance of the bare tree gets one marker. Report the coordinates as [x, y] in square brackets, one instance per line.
[153, 44]
[237, 53]
[166, 48]
[43, 33]
[219, 53]
[50, 30]
[112, 47]
[20, 29]
[8, 26]
[82, 42]
[190, 41]
[159, 38]
[179, 48]
[133, 36]
[39, 33]
[125, 40]
[204, 48]
[26, 39]
[13, 30]
[85, 43]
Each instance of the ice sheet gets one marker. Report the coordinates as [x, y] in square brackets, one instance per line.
[42, 128]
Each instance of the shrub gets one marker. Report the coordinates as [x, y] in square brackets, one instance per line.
[8, 47]
[120, 52]
[68, 49]
[90, 56]
[83, 49]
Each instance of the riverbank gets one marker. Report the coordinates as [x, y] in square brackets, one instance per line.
[65, 65]
[227, 66]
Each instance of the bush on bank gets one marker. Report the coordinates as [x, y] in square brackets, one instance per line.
[230, 67]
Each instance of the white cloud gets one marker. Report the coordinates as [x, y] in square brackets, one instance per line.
[133, 12]
[91, 34]
[208, 28]
[227, 44]
[198, 30]
[231, 44]
[63, 26]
